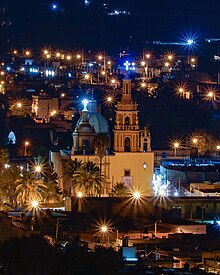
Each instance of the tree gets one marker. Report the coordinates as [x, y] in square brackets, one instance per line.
[101, 143]
[50, 178]
[203, 142]
[69, 169]
[30, 188]
[119, 190]
[88, 179]
[4, 157]
[8, 184]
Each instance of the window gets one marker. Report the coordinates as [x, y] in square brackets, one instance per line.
[127, 147]
[127, 172]
[127, 120]
[11, 138]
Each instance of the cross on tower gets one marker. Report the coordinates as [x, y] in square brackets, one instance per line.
[127, 64]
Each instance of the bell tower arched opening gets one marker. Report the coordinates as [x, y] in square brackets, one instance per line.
[127, 144]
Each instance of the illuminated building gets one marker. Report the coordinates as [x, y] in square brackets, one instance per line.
[132, 162]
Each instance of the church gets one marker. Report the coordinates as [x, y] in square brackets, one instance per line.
[132, 161]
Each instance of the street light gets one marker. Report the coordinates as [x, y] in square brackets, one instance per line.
[136, 195]
[35, 205]
[38, 168]
[79, 196]
[19, 105]
[175, 146]
[105, 231]
[143, 85]
[194, 140]
[26, 145]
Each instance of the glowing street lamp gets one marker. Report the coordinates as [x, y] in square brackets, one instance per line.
[104, 229]
[218, 147]
[170, 57]
[53, 113]
[210, 95]
[79, 197]
[38, 168]
[195, 140]
[136, 195]
[26, 145]
[19, 105]
[143, 85]
[113, 83]
[88, 77]
[176, 146]
[68, 57]
[27, 53]
[34, 205]
[109, 99]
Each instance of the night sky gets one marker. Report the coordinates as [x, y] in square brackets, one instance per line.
[73, 25]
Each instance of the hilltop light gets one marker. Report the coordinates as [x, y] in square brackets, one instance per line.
[190, 41]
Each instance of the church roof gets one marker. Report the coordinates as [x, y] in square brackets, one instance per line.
[95, 119]
[99, 123]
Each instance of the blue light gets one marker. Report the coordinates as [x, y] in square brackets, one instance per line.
[8, 69]
[85, 103]
[86, 2]
[69, 75]
[127, 65]
[190, 41]
[54, 6]
[218, 222]
[33, 70]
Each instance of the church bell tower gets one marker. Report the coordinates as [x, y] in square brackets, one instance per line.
[126, 131]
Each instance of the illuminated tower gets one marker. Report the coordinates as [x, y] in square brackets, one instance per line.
[127, 134]
[4, 29]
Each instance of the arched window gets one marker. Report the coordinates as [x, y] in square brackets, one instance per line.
[127, 120]
[145, 145]
[127, 144]
[126, 88]
[11, 138]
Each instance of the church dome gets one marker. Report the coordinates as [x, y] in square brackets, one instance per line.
[84, 127]
[99, 123]
[95, 119]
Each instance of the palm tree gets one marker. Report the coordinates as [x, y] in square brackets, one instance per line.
[51, 180]
[4, 157]
[119, 190]
[8, 184]
[89, 180]
[101, 143]
[69, 169]
[30, 188]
